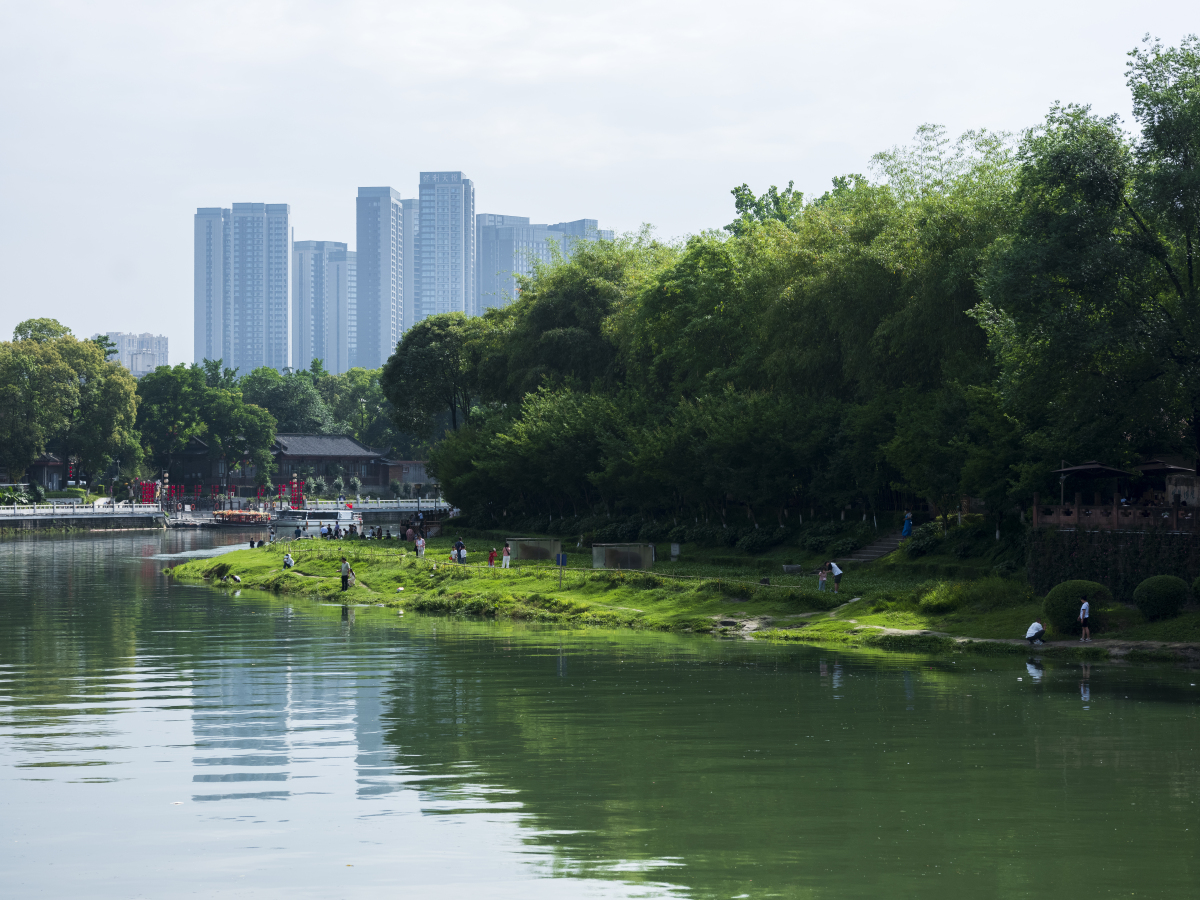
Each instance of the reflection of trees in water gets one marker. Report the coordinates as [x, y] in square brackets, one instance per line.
[781, 770]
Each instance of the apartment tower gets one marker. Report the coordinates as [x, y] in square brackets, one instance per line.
[323, 295]
[445, 241]
[241, 297]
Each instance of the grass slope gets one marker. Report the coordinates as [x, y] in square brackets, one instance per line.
[697, 595]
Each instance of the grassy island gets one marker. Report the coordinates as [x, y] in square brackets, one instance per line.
[887, 605]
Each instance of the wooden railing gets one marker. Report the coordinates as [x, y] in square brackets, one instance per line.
[1115, 517]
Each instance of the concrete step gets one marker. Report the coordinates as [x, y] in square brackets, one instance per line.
[876, 550]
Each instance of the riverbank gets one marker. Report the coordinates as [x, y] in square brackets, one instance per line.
[882, 613]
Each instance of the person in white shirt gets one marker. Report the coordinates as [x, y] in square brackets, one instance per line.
[1085, 612]
[1035, 634]
[837, 575]
[288, 562]
[420, 547]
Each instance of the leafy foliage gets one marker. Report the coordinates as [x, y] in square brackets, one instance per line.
[1061, 606]
[1160, 596]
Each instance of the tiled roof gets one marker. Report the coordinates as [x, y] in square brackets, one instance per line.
[340, 445]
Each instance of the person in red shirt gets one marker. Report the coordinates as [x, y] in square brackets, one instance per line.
[492, 559]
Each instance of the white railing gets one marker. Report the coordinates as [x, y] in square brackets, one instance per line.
[376, 504]
[81, 509]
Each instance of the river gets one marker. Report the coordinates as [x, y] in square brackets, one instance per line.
[162, 740]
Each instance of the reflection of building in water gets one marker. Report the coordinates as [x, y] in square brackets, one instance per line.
[240, 725]
[257, 726]
[374, 759]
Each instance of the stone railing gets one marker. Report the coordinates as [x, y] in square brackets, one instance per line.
[427, 506]
[80, 509]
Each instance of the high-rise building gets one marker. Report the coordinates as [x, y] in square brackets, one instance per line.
[509, 246]
[323, 283]
[139, 353]
[445, 275]
[343, 277]
[242, 302]
[382, 227]
[211, 313]
[412, 226]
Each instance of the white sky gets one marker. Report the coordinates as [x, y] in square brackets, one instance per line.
[118, 119]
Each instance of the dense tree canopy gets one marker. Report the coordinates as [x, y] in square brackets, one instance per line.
[955, 324]
[63, 395]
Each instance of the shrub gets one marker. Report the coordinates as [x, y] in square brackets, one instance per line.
[942, 598]
[761, 540]
[925, 539]
[1160, 596]
[680, 534]
[1061, 606]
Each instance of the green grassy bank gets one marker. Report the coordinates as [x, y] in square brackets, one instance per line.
[885, 605]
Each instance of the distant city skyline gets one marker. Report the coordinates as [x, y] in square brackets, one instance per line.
[510, 246]
[347, 307]
[139, 353]
[613, 111]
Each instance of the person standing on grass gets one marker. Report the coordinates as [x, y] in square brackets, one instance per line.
[1085, 613]
[460, 551]
[346, 573]
[906, 532]
[822, 574]
[837, 575]
[420, 547]
[492, 559]
[507, 556]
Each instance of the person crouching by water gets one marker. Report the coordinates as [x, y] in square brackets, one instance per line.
[1036, 634]
[346, 573]
[288, 562]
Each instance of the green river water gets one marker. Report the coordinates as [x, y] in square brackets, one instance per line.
[161, 740]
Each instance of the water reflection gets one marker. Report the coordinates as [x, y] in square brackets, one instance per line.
[258, 743]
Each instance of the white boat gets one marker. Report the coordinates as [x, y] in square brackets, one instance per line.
[311, 520]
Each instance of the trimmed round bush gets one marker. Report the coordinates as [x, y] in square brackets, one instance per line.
[1160, 596]
[1060, 609]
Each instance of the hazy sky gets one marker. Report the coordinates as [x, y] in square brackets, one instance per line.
[118, 119]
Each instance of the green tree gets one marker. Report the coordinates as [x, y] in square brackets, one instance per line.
[291, 399]
[38, 391]
[101, 422]
[434, 370]
[171, 410]
[40, 330]
[774, 205]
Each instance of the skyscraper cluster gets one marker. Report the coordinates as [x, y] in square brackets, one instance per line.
[264, 299]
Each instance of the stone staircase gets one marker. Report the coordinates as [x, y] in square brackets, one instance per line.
[881, 547]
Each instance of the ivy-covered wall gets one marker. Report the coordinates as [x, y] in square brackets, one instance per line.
[1119, 559]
